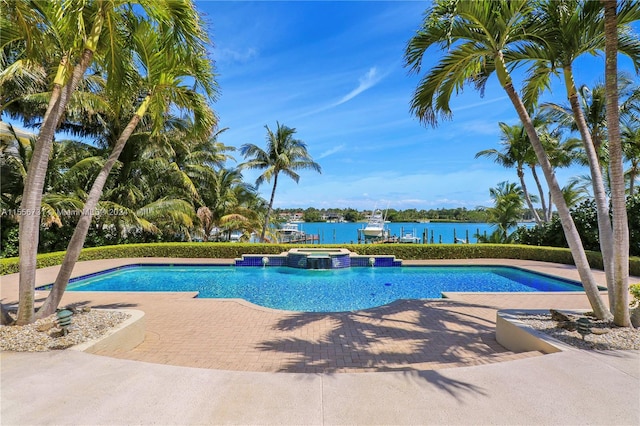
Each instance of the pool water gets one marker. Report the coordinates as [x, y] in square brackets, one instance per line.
[333, 290]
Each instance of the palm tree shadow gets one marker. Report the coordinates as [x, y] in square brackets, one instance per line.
[405, 335]
[12, 306]
[452, 386]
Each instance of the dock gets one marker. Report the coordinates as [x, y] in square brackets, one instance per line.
[301, 239]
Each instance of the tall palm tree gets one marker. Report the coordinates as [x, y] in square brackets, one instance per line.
[164, 66]
[570, 29]
[222, 206]
[483, 37]
[516, 151]
[74, 31]
[620, 262]
[284, 154]
[42, 26]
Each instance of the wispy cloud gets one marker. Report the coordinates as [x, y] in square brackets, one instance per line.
[481, 127]
[481, 103]
[330, 151]
[237, 56]
[367, 81]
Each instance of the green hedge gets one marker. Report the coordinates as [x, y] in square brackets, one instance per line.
[401, 251]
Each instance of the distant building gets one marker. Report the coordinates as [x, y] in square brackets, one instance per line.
[292, 217]
[332, 217]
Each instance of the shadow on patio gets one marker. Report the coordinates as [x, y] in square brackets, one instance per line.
[405, 335]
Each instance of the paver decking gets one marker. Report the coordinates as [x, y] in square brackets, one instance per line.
[236, 335]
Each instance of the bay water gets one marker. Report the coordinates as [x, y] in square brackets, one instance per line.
[436, 232]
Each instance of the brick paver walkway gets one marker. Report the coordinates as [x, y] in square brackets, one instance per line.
[236, 335]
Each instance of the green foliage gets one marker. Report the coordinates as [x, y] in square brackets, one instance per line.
[401, 251]
[633, 216]
[634, 289]
[10, 239]
[312, 215]
[352, 215]
[586, 221]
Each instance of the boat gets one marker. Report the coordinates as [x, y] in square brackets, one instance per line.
[290, 233]
[410, 237]
[375, 225]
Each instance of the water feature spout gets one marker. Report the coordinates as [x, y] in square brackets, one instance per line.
[372, 261]
[265, 261]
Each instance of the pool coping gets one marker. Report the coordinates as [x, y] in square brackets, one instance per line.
[195, 294]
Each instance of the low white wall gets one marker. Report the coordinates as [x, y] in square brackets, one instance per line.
[516, 336]
[126, 336]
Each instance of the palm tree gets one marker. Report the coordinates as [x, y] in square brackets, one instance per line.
[506, 211]
[572, 28]
[592, 102]
[483, 37]
[613, 43]
[41, 26]
[74, 31]
[19, 78]
[222, 205]
[284, 154]
[575, 192]
[630, 133]
[164, 68]
[562, 152]
[516, 151]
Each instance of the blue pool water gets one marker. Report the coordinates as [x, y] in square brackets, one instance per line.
[332, 290]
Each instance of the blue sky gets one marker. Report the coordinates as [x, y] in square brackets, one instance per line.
[334, 71]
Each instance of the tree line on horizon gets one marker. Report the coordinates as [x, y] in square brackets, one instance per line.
[455, 214]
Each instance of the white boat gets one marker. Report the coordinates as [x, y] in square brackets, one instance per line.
[410, 237]
[375, 225]
[290, 233]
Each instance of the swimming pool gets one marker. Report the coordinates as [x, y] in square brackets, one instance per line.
[332, 290]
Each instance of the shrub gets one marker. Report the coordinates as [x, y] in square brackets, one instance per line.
[401, 251]
[586, 220]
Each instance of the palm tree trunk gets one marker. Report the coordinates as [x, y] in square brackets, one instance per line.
[527, 198]
[605, 232]
[620, 305]
[573, 238]
[80, 233]
[29, 230]
[266, 218]
[541, 192]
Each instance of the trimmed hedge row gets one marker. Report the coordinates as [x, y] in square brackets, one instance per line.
[401, 251]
